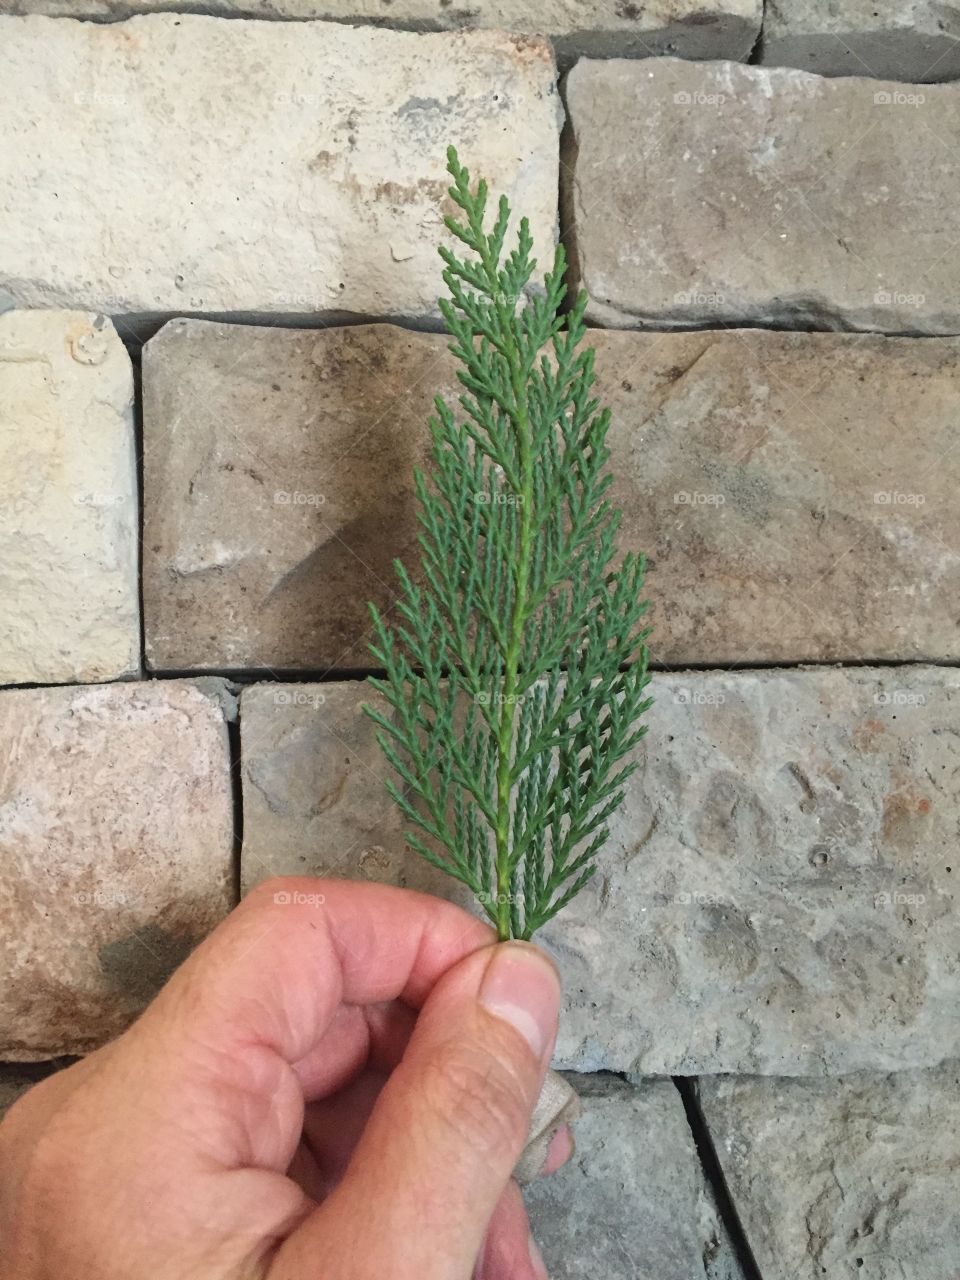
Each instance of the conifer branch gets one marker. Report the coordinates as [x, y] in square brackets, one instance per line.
[515, 674]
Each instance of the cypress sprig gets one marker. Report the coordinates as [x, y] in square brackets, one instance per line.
[516, 672]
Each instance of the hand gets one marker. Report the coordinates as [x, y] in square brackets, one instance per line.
[335, 1087]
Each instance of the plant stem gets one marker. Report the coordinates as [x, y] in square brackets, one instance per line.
[515, 634]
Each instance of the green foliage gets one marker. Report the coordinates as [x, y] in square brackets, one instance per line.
[515, 673]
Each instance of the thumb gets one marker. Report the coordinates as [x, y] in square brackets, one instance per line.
[446, 1132]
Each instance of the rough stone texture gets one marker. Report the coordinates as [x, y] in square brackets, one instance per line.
[914, 40]
[795, 492]
[346, 210]
[687, 28]
[116, 853]
[68, 523]
[314, 801]
[844, 1179]
[632, 1202]
[719, 193]
[777, 895]
[278, 488]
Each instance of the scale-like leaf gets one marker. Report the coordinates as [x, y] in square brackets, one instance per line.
[514, 676]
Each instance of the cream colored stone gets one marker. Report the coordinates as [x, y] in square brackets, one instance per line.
[69, 520]
[116, 853]
[181, 163]
[687, 28]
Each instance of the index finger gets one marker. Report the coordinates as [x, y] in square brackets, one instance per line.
[277, 969]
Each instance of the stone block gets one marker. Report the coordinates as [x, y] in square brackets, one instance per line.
[777, 895]
[794, 492]
[912, 40]
[316, 185]
[116, 853]
[715, 194]
[843, 1178]
[632, 1201]
[69, 524]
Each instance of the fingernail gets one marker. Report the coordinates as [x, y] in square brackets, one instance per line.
[537, 1262]
[559, 1151]
[521, 987]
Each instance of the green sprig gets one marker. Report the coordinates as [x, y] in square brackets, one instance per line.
[515, 674]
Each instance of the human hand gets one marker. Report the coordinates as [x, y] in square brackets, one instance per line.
[335, 1087]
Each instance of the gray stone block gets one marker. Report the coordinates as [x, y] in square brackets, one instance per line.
[853, 1179]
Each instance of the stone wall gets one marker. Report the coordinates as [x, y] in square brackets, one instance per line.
[218, 348]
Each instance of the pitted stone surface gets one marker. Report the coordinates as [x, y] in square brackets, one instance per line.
[843, 1178]
[314, 800]
[303, 193]
[910, 40]
[633, 1201]
[717, 193]
[795, 493]
[777, 895]
[116, 852]
[69, 519]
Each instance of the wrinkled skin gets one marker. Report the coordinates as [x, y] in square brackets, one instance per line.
[331, 1088]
